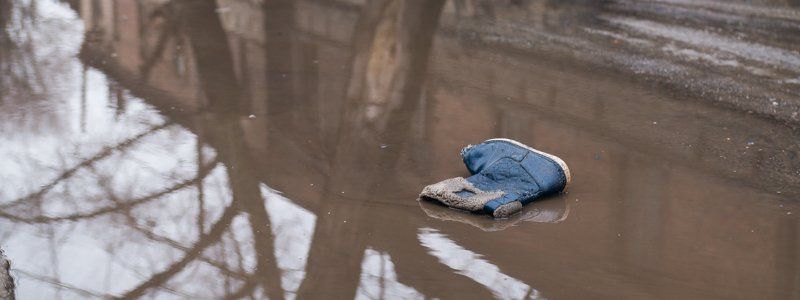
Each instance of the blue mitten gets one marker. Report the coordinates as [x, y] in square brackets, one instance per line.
[505, 176]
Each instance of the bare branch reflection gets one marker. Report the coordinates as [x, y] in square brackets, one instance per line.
[133, 203]
[237, 238]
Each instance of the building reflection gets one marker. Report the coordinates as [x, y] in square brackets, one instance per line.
[239, 149]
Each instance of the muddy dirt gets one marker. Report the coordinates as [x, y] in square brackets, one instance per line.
[254, 149]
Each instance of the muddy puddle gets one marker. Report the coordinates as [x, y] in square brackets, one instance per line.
[275, 149]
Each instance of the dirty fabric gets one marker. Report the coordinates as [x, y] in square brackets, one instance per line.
[506, 175]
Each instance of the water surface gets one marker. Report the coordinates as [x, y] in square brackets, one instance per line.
[240, 149]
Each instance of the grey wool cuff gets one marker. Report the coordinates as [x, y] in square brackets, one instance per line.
[460, 193]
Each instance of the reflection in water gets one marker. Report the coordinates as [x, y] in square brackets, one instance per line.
[542, 211]
[293, 227]
[470, 264]
[379, 279]
[213, 245]
[238, 149]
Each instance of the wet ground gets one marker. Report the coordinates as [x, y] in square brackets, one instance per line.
[254, 149]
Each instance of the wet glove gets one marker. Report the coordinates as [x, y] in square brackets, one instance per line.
[506, 175]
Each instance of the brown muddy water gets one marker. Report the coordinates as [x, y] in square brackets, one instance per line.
[275, 149]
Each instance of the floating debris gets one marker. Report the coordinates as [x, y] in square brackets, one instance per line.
[484, 191]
